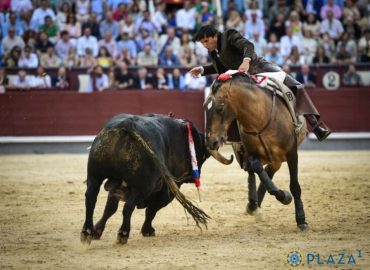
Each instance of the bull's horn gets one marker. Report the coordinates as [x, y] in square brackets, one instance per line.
[221, 158]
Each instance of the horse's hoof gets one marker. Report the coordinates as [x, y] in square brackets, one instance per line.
[122, 238]
[251, 209]
[303, 226]
[287, 198]
[148, 234]
[86, 236]
[97, 234]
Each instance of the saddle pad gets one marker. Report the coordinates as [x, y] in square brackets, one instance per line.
[262, 79]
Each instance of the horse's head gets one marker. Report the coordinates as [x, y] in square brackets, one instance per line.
[219, 116]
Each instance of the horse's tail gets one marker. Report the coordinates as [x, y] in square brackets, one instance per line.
[198, 214]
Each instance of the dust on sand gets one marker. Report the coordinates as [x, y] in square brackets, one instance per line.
[42, 212]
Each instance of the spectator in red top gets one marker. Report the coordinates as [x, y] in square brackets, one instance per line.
[120, 13]
[5, 5]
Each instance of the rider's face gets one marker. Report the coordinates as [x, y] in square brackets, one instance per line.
[210, 43]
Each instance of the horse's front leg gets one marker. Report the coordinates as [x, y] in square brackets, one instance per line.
[296, 190]
[256, 166]
[252, 193]
[242, 158]
[271, 169]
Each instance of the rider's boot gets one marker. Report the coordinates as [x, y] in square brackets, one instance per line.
[305, 106]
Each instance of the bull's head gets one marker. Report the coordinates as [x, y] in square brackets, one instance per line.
[219, 116]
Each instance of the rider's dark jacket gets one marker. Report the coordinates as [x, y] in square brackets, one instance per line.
[232, 48]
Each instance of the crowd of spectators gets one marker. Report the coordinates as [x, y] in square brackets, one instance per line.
[115, 35]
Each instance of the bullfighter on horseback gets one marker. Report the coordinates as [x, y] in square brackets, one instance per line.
[231, 51]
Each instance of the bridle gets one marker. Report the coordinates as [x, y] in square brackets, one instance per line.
[252, 133]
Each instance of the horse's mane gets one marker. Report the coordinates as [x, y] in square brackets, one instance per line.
[242, 77]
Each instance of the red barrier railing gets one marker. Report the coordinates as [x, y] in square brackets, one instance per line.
[72, 113]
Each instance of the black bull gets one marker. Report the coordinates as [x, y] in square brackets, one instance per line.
[145, 159]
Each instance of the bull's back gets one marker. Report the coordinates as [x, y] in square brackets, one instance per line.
[115, 153]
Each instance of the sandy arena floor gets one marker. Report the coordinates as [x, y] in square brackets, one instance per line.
[42, 211]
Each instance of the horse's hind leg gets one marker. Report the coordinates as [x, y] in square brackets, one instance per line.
[296, 190]
[281, 195]
[271, 169]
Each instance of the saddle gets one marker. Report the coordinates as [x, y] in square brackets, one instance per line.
[272, 81]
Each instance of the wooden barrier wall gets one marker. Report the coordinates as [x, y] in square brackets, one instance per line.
[71, 113]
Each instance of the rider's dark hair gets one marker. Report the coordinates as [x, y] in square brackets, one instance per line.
[205, 31]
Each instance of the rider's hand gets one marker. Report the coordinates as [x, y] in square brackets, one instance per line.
[196, 72]
[245, 64]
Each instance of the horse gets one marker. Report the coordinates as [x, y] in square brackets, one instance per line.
[267, 133]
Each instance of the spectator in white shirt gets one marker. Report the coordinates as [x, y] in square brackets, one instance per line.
[98, 81]
[39, 14]
[127, 25]
[332, 26]
[21, 6]
[169, 40]
[185, 17]
[28, 59]
[41, 80]
[159, 17]
[254, 25]
[87, 41]
[309, 44]
[82, 10]
[63, 45]
[192, 83]
[62, 14]
[22, 80]
[253, 8]
[9, 42]
[287, 42]
[260, 44]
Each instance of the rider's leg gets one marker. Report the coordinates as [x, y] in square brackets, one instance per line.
[305, 106]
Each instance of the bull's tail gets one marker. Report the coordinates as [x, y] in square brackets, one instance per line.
[198, 214]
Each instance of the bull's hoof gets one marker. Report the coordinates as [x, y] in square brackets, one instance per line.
[284, 197]
[251, 208]
[122, 238]
[86, 236]
[303, 227]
